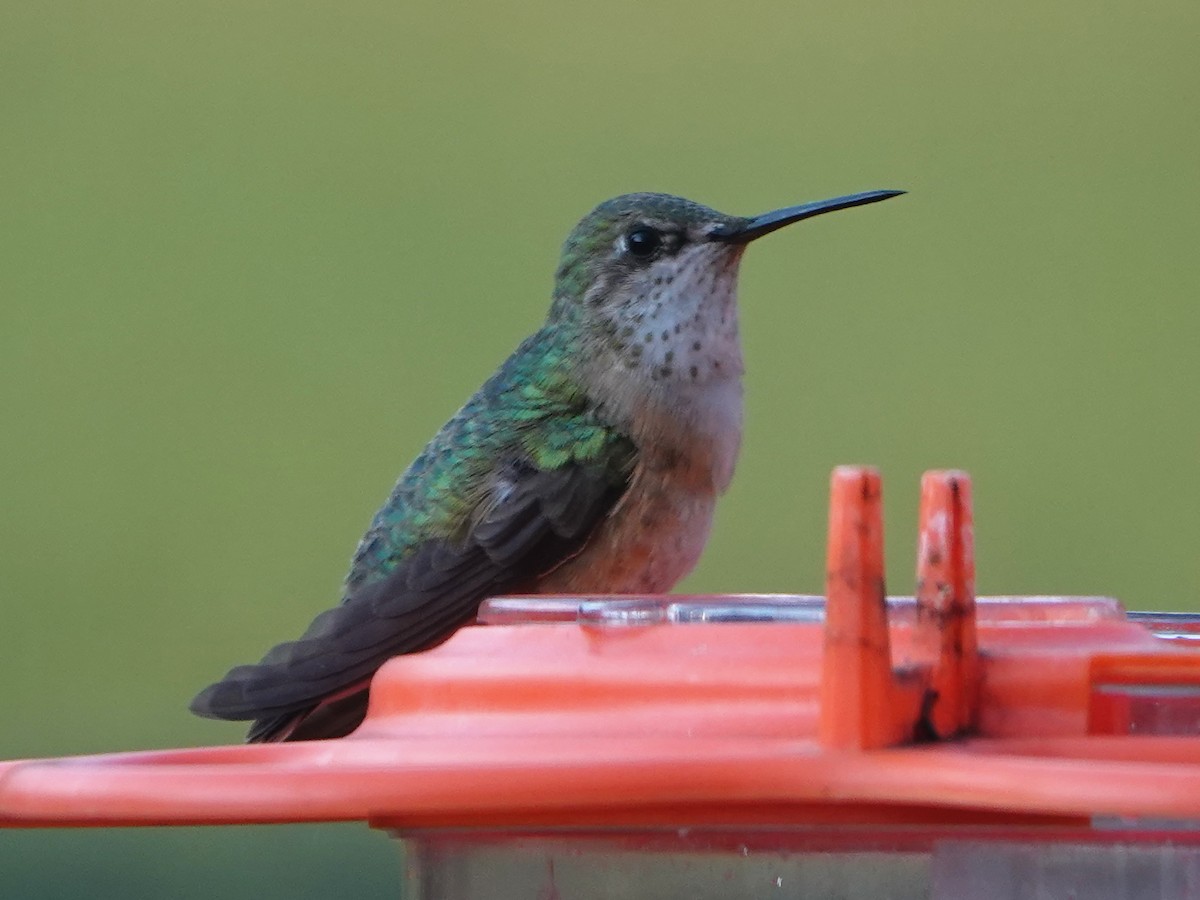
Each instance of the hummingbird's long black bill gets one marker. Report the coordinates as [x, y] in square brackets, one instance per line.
[772, 221]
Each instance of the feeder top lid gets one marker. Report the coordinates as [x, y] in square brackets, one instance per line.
[734, 710]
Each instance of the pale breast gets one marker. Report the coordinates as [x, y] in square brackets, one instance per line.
[652, 539]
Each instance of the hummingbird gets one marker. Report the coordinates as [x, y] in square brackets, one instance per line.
[591, 461]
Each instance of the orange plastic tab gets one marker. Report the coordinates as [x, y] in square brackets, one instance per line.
[945, 628]
[856, 683]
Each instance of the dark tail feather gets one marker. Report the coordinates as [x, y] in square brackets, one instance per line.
[333, 717]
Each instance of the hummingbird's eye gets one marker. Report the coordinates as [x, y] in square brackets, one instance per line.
[643, 242]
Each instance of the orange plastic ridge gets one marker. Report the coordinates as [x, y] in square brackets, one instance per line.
[946, 603]
[757, 723]
[858, 692]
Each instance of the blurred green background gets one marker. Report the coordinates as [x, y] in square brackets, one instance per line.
[252, 254]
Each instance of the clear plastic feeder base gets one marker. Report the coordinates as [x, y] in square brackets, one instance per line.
[910, 864]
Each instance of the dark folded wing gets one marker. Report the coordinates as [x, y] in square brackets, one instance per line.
[530, 521]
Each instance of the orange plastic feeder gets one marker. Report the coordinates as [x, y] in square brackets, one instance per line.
[937, 746]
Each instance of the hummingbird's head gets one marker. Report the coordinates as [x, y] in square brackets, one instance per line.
[628, 246]
[654, 278]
